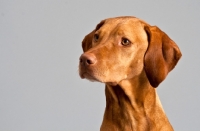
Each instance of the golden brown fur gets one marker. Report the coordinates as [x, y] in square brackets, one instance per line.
[130, 57]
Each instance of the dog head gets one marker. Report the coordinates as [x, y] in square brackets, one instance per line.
[121, 48]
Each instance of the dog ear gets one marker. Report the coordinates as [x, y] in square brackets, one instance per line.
[87, 41]
[161, 56]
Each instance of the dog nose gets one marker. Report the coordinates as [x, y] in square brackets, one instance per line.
[87, 59]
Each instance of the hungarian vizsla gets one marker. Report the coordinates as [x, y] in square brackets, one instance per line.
[132, 58]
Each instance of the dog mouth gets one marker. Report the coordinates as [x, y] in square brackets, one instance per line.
[88, 76]
[93, 78]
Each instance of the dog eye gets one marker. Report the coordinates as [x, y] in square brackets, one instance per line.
[125, 42]
[96, 37]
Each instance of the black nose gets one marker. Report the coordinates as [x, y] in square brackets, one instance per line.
[87, 59]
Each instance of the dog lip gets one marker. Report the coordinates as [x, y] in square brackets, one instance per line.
[82, 76]
[88, 76]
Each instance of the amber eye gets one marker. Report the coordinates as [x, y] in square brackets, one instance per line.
[125, 42]
[96, 37]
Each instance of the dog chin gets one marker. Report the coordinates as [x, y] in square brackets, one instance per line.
[89, 77]
[93, 78]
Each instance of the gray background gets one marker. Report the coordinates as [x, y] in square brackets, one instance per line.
[40, 45]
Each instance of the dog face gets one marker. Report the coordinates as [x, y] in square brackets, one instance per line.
[121, 48]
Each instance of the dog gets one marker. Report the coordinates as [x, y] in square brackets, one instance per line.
[132, 58]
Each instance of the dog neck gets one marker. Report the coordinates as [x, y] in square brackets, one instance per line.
[133, 105]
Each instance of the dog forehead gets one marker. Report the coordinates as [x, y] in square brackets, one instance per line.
[122, 24]
[130, 27]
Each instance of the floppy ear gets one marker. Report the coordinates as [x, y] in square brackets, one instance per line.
[161, 56]
[87, 41]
